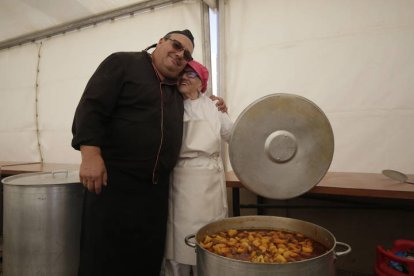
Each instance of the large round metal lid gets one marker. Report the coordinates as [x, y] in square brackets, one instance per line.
[43, 178]
[281, 146]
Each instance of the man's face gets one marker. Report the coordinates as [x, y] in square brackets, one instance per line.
[172, 54]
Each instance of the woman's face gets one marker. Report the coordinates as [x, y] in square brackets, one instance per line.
[189, 84]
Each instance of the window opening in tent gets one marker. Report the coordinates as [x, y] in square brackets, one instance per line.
[214, 45]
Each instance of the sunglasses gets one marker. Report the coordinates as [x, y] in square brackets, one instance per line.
[191, 74]
[179, 47]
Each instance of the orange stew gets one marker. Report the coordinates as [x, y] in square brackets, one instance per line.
[263, 246]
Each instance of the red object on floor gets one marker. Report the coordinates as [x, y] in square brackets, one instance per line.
[384, 257]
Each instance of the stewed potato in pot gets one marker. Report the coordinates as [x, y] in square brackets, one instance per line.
[262, 245]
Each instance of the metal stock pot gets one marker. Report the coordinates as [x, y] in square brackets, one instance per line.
[281, 146]
[41, 223]
[209, 264]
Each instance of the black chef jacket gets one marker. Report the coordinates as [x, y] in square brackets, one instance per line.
[137, 121]
[134, 118]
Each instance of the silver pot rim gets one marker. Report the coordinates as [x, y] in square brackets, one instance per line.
[327, 233]
[42, 178]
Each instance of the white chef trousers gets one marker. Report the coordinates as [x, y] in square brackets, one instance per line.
[173, 268]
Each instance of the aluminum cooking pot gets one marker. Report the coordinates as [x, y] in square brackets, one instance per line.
[41, 228]
[209, 264]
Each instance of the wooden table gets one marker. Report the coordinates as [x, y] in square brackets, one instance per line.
[369, 185]
[353, 184]
[12, 168]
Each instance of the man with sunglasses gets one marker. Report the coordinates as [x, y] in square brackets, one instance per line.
[128, 126]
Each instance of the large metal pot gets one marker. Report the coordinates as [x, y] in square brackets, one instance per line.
[41, 224]
[209, 264]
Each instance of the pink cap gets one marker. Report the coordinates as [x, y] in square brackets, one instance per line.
[201, 71]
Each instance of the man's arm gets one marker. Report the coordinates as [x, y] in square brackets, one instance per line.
[221, 105]
[92, 171]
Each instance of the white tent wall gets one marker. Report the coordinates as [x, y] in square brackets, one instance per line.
[19, 17]
[354, 59]
[66, 62]
[18, 134]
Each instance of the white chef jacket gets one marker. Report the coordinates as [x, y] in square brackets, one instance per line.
[198, 188]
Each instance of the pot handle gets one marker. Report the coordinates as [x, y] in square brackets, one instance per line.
[188, 242]
[340, 253]
[54, 173]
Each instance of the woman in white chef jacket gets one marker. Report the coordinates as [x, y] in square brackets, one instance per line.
[198, 188]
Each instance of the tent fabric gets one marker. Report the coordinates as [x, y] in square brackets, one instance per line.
[18, 134]
[352, 59]
[65, 64]
[21, 17]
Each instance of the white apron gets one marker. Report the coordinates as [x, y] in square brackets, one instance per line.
[198, 190]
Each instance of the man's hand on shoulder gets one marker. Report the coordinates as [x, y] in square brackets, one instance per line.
[221, 105]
